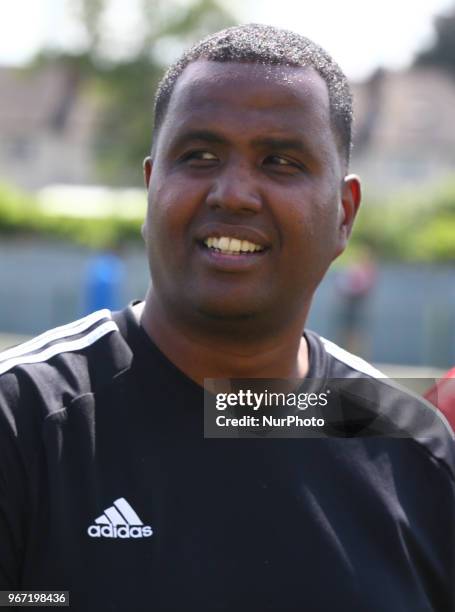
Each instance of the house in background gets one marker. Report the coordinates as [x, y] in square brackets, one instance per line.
[404, 129]
[46, 127]
[404, 132]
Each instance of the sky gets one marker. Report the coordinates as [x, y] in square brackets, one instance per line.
[360, 34]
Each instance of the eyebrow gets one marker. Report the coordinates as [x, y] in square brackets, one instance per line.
[280, 143]
[204, 135]
[273, 142]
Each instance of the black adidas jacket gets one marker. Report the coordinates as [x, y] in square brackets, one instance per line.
[109, 489]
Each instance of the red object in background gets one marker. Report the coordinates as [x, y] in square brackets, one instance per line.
[442, 395]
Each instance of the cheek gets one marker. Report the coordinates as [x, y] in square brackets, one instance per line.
[165, 211]
[310, 226]
[312, 217]
[173, 202]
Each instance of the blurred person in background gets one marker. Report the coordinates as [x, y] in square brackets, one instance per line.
[104, 280]
[108, 487]
[442, 395]
[354, 285]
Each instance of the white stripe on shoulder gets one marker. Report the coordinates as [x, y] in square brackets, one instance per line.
[363, 366]
[351, 360]
[60, 347]
[57, 333]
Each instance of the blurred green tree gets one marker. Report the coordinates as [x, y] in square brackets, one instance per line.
[416, 226]
[442, 52]
[124, 88]
[90, 13]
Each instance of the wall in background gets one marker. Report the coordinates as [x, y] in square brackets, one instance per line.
[408, 317]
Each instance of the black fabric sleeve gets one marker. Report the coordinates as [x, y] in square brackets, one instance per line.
[13, 497]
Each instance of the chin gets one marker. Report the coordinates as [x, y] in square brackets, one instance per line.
[221, 313]
[229, 307]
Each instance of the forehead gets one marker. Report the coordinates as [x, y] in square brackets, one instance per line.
[280, 96]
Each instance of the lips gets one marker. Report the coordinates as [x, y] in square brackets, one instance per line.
[230, 262]
[224, 259]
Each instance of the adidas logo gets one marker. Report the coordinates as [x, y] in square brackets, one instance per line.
[119, 521]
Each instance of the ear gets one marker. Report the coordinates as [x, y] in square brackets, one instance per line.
[350, 202]
[147, 166]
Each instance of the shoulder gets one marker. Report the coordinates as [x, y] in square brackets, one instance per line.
[375, 405]
[63, 363]
[344, 363]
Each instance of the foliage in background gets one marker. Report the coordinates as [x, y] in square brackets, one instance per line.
[414, 227]
[407, 227]
[22, 215]
[410, 226]
[442, 52]
[124, 88]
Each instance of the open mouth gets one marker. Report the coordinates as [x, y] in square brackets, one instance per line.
[232, 246]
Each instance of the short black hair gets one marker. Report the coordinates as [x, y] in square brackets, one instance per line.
[267, 45]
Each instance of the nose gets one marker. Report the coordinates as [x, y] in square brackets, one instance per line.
[235, 189]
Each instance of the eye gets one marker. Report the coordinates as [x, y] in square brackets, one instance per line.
[277, 159]
[284, 166]
[199, 158]
[282, 162]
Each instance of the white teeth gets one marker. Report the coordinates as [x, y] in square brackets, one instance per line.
[232, 245]
[223, 244]
[235, 245]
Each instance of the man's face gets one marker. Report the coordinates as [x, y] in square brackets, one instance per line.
[246, 152]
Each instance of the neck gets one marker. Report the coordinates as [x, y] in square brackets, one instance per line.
[201, 354]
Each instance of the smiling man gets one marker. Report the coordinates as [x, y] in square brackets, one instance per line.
[249, 203]
[108, 487]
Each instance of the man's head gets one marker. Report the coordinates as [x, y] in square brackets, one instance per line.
[266, 45]
[248, 156]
